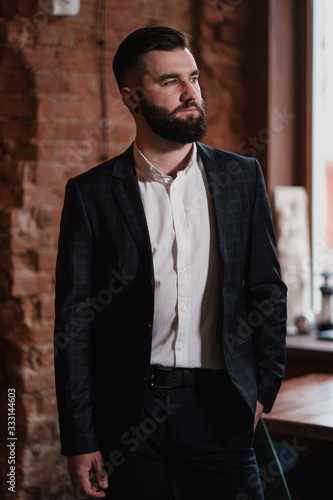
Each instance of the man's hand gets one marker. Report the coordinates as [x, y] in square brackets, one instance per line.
[259, 410]
[79, 467]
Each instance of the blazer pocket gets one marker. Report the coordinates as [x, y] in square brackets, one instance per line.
[239, 216]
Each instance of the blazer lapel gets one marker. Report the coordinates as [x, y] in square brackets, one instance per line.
[126, 191]
[217, 187]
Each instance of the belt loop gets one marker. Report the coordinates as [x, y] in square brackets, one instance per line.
[186, 376]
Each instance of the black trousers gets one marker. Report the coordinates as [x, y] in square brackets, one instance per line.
[189, 435]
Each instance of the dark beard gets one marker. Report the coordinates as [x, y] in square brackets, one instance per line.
[181, 130]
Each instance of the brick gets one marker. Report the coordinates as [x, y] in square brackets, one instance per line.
[41, 430]
[90, 108]
[67, 108]
[39, 357]
[49, 83]
[86, 17]
[21, 33]
[24, 151]
[124, 133]
[26, 260]
[85, 38]
[47, 307]
[6, 261]
[10, 197]
[45, 152]
[38, 380]
[47, 261]
[36, 59]
[122, 24]
[27, 283]
[11, 174]
[22, 219]
[48, 238]
[49, 175]
[75, 131]
[111, 41]
[18, 81]
[14, 129]
[30, 307]
[19, 107]
[51, 130]
[45, 108]
[11, 311]
[87, 151]
[47, 404]
[117, 111]
[55, 36]
[11, 59]
[112, 87]
[75, 61]
[48, 217]
[83, 85]
[29, 404]
[39, 332]
[5, 222]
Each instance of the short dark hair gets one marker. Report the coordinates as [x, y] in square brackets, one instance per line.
[142, 41]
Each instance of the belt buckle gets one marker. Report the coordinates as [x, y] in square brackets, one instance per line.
[152, 376]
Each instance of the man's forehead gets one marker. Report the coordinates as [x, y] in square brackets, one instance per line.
[159, 62]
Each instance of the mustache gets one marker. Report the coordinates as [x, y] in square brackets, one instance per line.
[186, 105]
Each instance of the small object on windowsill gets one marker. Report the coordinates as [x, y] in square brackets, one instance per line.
[306, 322]
[325, 334]
[325, 327]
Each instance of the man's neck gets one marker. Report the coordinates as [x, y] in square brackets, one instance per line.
[167, 156]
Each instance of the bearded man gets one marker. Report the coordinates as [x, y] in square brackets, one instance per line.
[170, 308]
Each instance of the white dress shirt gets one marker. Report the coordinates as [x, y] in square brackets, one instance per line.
[182, 232]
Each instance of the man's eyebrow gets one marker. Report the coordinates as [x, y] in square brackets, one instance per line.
[170, 76]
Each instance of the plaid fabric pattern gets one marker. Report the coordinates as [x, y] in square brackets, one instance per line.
[105, 295]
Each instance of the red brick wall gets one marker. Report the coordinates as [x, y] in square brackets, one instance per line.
[50, 129]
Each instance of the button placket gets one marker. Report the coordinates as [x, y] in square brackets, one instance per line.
[183, 271]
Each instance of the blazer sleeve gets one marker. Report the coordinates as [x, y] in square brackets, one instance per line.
[72, 333]
[265, 297]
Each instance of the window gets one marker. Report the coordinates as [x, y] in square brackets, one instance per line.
[322, 145]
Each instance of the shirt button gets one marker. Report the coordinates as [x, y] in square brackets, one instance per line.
[174, 188]
[180, 347]
[182, 267]
[180, 226]
[184, 308]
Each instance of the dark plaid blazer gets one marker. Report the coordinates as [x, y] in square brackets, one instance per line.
[105, 296]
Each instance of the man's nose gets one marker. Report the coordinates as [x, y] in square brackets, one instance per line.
[189, 92]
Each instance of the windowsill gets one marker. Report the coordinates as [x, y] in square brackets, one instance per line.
[309, 342]
[306, 354]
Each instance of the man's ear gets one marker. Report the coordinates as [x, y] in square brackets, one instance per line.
[131, 99]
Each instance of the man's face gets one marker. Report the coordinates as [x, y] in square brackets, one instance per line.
[172, 105]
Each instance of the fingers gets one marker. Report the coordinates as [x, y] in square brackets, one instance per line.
[258, 413]
[100, 472]
[79, 467]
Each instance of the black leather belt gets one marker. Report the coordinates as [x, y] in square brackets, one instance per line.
[167, 378]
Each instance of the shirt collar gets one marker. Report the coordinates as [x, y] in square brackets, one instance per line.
[152, 172]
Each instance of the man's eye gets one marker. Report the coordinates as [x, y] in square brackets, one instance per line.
[170, 82]
[195, 79]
